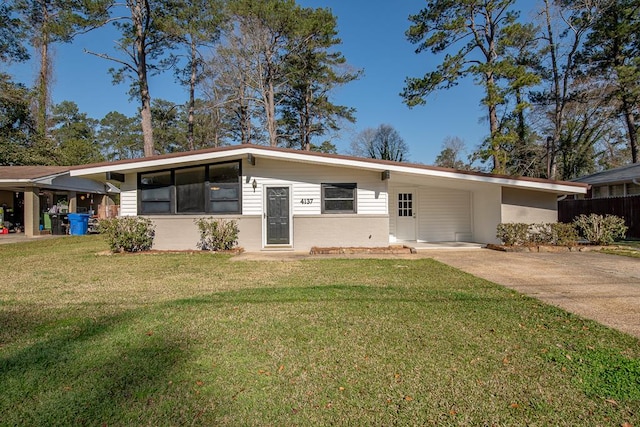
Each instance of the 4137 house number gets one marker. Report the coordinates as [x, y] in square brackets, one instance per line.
[306, 201]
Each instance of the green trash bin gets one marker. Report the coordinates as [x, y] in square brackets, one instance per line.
[47, 221]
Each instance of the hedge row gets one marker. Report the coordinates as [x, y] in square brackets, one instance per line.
[596, 229]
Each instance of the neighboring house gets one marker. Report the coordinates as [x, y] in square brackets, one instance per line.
[618, 182]
[614, 192]
[29, 191]
[290, 199]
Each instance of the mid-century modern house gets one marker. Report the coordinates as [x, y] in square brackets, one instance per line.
[295, 200]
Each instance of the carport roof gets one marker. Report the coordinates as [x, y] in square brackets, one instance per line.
[18, 178]
[30, 173]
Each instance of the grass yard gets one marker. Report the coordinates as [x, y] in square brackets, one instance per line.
[196, 339]
[630, 248]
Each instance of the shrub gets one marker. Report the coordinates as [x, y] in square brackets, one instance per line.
[549, 233]
[563, 234]
[555, 233]
[128, 234]
[513, 233]
[539, 234]
[601, 230]
[217, 234]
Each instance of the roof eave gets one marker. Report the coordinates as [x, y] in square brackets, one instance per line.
[140, 165]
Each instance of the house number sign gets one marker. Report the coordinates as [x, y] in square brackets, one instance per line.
[306, 201]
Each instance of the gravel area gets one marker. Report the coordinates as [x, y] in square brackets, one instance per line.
[601, 287]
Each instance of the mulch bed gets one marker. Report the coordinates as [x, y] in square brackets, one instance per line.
[236, 251]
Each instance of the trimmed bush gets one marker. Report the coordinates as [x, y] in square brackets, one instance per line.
[563, 234]
[217, 234]
[601, 230]
[516, 233]
[550, 233]
[554, 233]
[128, 234]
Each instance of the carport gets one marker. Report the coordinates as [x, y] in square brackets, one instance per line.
[29, 191]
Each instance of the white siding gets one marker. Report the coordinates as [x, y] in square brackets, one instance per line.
[129, 196]
[306, 181]
[444, 215]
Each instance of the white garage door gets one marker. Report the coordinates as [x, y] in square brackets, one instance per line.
[444, 215]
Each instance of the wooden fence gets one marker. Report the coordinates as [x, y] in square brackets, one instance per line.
[625, 207]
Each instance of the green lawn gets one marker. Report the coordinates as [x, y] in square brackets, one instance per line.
[196, 339]
[630, 248]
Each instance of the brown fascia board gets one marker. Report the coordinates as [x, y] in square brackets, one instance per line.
[331, 156]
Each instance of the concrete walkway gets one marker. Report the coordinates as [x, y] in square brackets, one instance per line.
[21, 237]
[601, 287]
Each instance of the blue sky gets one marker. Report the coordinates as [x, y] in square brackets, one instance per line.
[373, 39]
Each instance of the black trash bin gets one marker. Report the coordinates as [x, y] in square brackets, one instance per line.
[57, 224]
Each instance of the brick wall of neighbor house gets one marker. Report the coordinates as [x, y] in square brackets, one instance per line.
[528, 206]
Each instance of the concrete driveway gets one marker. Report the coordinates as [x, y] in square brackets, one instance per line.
[601, 287]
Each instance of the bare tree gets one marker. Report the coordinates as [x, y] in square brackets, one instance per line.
[564, 30]
[453, 148]
[384, 143]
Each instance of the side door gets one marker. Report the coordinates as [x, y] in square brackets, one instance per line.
[406, 215]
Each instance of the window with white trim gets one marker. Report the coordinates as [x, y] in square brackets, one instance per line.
[339, 198]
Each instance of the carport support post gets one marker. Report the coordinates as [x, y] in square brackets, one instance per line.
[31, 212]
[73, 202]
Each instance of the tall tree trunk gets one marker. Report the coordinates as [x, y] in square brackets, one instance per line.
[270, 110]
[498, 166]
[44, 74]
[632, 130]
[141, 16]
[192, 91]
[557, 110]
[306, 122]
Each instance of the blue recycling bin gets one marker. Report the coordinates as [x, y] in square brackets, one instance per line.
[78, 224]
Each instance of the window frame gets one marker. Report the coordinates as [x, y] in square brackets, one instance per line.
[173, 197]
[344, 185]
[171, 188]
[209, 199]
